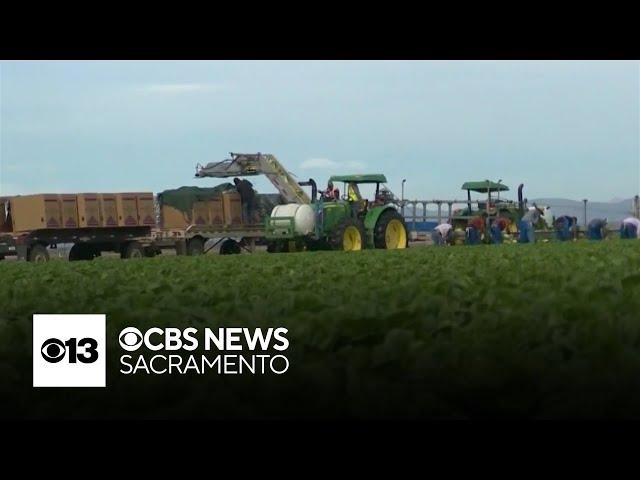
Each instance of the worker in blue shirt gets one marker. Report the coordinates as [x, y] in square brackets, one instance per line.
[498, 226]
[564, 227]
[597, 229]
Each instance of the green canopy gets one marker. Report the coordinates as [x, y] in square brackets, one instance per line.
[370, 178]
[485, 186]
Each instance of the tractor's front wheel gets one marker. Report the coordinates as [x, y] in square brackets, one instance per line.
[390, 231]
[348, 236]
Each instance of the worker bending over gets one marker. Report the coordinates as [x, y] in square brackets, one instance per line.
[597, 229]
[442, 235]
[566, 227]
[498, 226]
[528, 223]
[630, 228]
[475, 229]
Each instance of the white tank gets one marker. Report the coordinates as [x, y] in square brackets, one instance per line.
[303, 215]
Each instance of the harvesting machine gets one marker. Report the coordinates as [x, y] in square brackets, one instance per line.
[313, 222]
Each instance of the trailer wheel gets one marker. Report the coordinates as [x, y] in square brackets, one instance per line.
[278, 246]
[38, 253]
[195, 246]
[81, 251]
[132, 250]
[230, 247]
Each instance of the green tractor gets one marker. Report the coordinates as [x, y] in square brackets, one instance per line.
[348, 223]
[494, 206]
[510, 210]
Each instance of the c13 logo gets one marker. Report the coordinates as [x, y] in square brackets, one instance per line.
[84, 350]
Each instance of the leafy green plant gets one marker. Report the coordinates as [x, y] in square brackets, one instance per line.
[545, 330]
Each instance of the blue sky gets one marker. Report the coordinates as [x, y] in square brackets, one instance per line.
[564, 129]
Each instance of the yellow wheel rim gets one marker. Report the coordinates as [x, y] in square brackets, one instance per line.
[396, 235]
[351, 239]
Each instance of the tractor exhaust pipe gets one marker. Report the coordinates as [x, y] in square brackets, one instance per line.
[314, 188]
[520, 201]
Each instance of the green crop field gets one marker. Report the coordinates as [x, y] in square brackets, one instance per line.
[545, 330]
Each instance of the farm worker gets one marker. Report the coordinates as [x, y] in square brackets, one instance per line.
[478, 222]
[331, 193]
[471, 235]
[442, 234]
[247, 198]
[475, 228]
[564, 225]
[497, 227]
[596, 230]
[630, 228]
[352, 194]
[528, 223]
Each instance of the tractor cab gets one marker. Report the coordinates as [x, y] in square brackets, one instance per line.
[352, 193]
[487, 187]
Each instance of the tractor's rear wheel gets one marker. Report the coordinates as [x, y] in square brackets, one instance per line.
[348, 235]
[390, 231]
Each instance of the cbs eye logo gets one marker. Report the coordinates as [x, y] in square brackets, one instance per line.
[84, 350]
[130, 339]
[69, 350]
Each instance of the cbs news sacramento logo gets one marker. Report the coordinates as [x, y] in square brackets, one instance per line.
[69, 350]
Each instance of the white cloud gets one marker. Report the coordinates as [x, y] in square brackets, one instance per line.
[327, 164]
[173, 88]
[317, 163]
